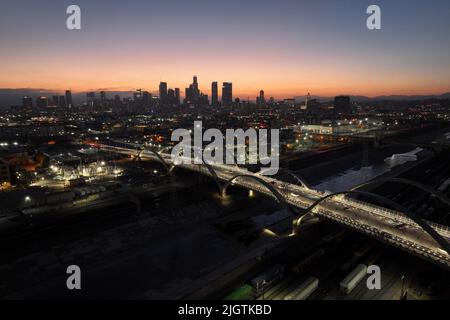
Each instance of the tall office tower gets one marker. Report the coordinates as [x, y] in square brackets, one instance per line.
[170, 96]
[90, 98]
[227, 94]
[54, 101]
[342, 105]
[195, 83]
[117, 101]
[177, 96]
[214, 94]
[146, 98]
[42, 102]
[27, 102]
[261, 99]
[137, 95]
[69, 98]
[163, 92]
[308, 97]
[102, 96]
[62, 101]
[186, 95]
[195, 92]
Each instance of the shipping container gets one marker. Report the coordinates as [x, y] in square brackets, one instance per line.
[305, 290]
[353, 278]
[56, 198]
[266, 279]
[242, 293]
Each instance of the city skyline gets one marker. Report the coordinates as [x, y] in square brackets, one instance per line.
[286, 48]
[13, 96]
[224, 150]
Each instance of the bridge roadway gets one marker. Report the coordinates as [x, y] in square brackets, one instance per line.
[389, 226]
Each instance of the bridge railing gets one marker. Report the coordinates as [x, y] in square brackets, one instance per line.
[395, 215]
[431, 253]
[385, 212]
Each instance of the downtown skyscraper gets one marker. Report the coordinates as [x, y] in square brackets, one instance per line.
[214, 94]
[193, 95]
[227, 94]
[163, 92]
[69, 98]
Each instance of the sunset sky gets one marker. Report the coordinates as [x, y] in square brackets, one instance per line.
[285, 47]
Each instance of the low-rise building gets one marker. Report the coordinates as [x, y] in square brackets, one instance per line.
[5, 173]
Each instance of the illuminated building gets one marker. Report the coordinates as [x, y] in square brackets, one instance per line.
[42, 102]
[27, 102]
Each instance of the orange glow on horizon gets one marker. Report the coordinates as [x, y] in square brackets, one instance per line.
[240, 89]
[277, 76]
[287, 49]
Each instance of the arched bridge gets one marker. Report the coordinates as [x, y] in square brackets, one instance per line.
[396, 226]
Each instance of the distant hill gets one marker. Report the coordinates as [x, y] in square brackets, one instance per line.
[380, 98]
[13, 97]
[325, 99]
[413, 97]
[321, 99]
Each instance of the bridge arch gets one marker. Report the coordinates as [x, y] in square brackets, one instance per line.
[422, 223]
[167, 167]
[213, 173]
[416, 184]
[271, 188]
[290, 173]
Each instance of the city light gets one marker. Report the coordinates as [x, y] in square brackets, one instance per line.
[230, 150]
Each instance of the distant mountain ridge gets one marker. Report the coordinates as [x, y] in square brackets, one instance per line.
[380, 98]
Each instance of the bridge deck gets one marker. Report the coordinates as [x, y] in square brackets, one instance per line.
[389, 226]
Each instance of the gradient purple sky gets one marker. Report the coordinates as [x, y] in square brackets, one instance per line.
[284, 47]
